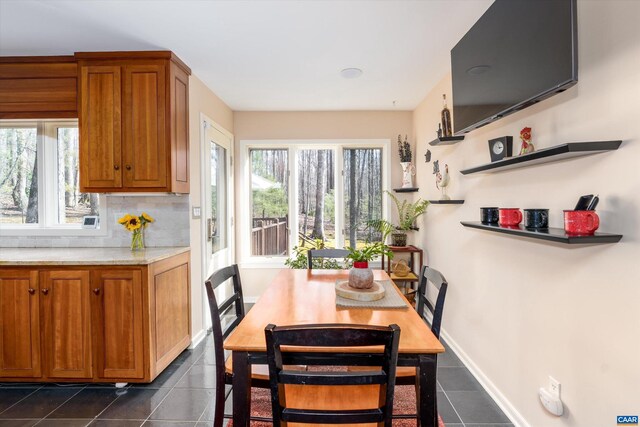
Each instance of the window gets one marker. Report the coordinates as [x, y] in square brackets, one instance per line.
[311, 190]
[362, 194]
[39, 177]
[269, 201]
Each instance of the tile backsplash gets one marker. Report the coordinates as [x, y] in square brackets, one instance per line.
[171, 226]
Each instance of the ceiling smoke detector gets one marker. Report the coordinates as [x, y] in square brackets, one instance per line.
[351, 73]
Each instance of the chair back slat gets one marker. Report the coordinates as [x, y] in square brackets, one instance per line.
[226, 305]
[324, 253]
[230, 327]
[297, 338]
[345, 417]
[338, 378]
[224, 319]
[430, 275]
[313, 336]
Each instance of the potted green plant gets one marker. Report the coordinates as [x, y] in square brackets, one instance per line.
[361, 276]
[408, 213]
[299, 259]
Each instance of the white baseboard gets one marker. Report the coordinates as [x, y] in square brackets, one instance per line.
[197, 338]
[509, 410]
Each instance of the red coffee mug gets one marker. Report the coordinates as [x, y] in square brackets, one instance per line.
[581, 222]
[510, 216]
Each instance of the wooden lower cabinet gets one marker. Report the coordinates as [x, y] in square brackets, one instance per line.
[19, 324]
[118, 317]
[170, 308]
[93, 323]
[66, 320]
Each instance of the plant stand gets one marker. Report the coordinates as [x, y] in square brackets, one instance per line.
[406, 283]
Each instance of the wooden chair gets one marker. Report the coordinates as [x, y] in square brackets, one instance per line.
[433, 276]
[225, 318]
[406, 375]
[311, 396]
[324, 253]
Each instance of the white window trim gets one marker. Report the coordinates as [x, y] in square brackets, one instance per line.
[293, 146]
[47, 151]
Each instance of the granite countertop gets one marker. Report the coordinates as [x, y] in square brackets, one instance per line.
[85, 256]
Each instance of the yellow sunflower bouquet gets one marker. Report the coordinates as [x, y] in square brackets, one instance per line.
[136, 225]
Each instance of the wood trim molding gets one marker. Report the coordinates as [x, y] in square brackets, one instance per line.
[144, 54]
[36, 59]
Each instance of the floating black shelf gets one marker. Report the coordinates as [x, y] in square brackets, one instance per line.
[550, 234]
[446, 202]
[446, 140]
[406, 190]
[546, 155]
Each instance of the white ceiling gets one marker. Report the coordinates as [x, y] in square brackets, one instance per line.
[264, 55]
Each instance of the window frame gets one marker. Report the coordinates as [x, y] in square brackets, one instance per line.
[47, 155]
[247, 260]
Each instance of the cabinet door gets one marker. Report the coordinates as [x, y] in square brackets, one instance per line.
[19, 324]
[170, 309]
[179, 88]
[67, 323]
[145, 148]
[100, 128]
[117, 303]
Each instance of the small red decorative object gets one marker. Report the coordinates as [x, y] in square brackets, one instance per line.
[510, 216]
[360, 264]
[581, 222]
[527, 146]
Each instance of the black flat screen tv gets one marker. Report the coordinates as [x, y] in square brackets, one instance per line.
[518, 53]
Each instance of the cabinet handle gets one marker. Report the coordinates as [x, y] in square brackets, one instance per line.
[116, 167]
[32, 291]
[45, 291]
[96, 291]
[128, 167]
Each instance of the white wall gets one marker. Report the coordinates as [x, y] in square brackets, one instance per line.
[520, 309]
[201, 101]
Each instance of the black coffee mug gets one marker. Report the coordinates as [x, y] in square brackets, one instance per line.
[489, 215]
[536, 218]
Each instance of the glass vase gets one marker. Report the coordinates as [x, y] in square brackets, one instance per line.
[137, 239]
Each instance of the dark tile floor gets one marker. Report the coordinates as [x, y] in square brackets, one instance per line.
[183, 395]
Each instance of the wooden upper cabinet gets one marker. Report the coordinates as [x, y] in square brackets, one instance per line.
[154, 131]
[38, 87]
[19, 324]
[66, 309]
[100, 127]
[146, 155]
[179, 87]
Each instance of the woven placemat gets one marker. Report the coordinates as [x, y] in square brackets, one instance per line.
[392, 299]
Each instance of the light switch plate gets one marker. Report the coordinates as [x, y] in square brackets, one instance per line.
[196, 212]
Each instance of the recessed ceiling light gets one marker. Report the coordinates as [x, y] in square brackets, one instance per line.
[351, 73]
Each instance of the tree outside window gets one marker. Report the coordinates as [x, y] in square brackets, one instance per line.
[43, 195]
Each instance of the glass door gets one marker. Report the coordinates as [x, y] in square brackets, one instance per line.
[217, 204]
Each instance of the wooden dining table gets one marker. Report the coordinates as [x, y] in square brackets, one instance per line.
[298, 297]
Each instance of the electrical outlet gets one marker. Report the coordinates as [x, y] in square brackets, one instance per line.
[550, 398]
[554, 387]
[551, 403]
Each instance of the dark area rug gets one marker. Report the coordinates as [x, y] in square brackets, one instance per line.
[404, 403]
